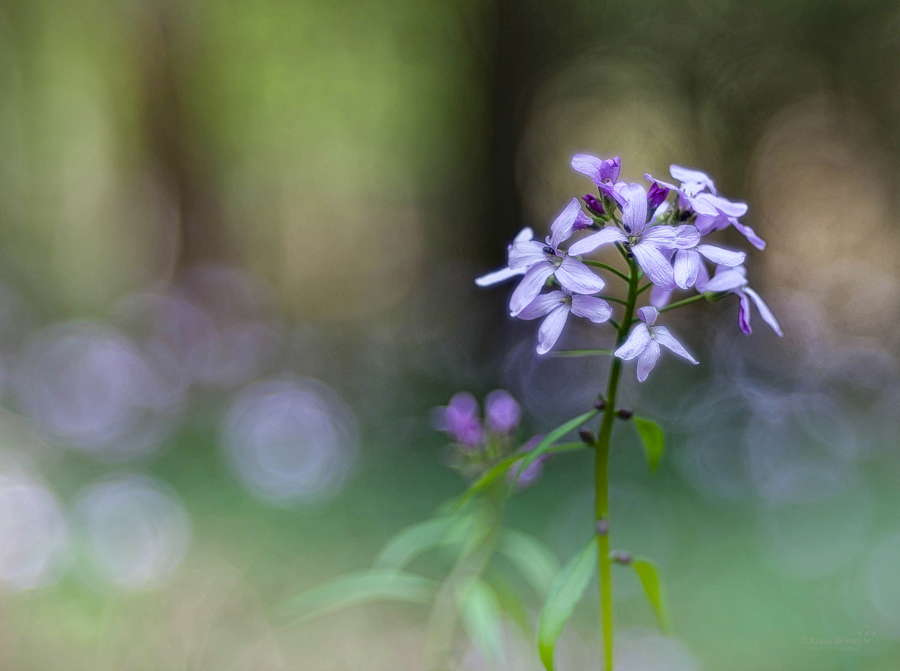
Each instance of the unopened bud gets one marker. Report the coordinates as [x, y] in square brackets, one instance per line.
[594, 205]
[621, 557]
[586, 436]
[625, 414]
[600, 404]
[602, 527]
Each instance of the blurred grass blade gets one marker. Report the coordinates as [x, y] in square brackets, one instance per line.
[535, 561]
[653, 439]
[416, 539]
[653, 588]
[359, 588]
[511, 604]
[552, 437]
[480, 614]
[565, 593]
[490, 476]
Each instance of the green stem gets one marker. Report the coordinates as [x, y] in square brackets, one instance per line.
[686, 301]
[602, 473]
[606, 266]
[581, 352]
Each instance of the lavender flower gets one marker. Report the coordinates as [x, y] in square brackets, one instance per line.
[734, 280]
[644, 340]
[459, 420]
[543, 261]
[501, 412]
[646, 243]
[604, 172]
[687, 262]
[557, 305]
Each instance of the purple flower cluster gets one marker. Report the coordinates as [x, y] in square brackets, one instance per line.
[662, 229]
[482, 443]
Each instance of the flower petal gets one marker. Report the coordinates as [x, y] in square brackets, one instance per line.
[764, 311]
[686, 175]
[647, 360]
[648, 314]
[661, 236]
[634, 207]
[725, 206]
[551, 328]
[524, 235]
[720, 256]
[603, 237]
[561, 229]
[666, 339]
[577, 277]
[749, 233]
[659, 298]
[702, 279]
[686, 236]
[637, 341]
[744, 314]
[597, 169]
[726, 280]
[650, 178]
[523, 255]
[686, 267]
[542, 305]
[529, 287]
[497, 276]
[654, 264]
[590, 307]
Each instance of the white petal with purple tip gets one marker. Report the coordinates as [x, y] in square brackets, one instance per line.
[764, 311]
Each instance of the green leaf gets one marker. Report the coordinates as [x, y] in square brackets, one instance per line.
[653, 588]
[653, 439]
[552, 437]
[480, 614]
[359, 588]
[536, 562]
[565, 593]
[412, 541]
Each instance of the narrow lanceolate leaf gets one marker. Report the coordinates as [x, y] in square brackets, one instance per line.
[480, 611]
[565, 593]
[414, 540]
[359, 588]
[653, 439]
[653, 588]
[552, 437]
[535, 561]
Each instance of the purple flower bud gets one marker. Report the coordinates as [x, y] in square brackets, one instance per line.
[656, 196]
[459, 420]
[535, 469]
[501, 412]
[593, 204]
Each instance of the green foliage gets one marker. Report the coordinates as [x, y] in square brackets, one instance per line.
[360, 588]
[480, 610]
[535, 561]
[565, 593]
[653, 588]
[653, 439]
[414, 540]
[552, 437]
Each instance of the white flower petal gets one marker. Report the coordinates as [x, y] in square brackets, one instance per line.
[666, 339]
[635, 344]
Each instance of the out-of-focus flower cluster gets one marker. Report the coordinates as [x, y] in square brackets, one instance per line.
[662, 229]
[479, 444]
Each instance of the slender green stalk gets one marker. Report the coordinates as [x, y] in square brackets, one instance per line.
[606, 266]
[602, 473]
[581, 352]
[686, 301]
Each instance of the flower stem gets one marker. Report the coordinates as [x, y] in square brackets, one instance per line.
[606, 266]
[602, 473]
[686, 301]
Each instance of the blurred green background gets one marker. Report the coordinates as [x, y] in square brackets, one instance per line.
[237, 250]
